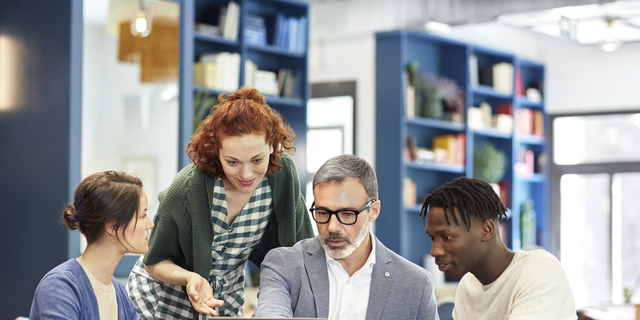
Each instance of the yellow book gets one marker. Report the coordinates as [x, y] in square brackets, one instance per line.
[447, 143]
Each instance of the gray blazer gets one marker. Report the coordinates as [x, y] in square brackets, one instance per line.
[294, 282]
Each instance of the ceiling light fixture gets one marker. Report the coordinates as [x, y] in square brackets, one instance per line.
[610, 42]
[141, 25]
[437, 26]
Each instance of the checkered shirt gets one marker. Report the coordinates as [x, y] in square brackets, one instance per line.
[230, 252]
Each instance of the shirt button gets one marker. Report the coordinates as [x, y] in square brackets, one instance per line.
[224, 248]
[349, 281]
[230, 230]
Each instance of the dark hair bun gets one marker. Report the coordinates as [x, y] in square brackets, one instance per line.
[70, 217]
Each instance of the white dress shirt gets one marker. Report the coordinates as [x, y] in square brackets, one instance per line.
[349, 296]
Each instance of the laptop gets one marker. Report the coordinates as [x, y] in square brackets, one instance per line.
[213, 318]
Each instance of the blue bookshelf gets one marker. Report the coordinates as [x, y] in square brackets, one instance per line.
[403, 230]
[267, 57]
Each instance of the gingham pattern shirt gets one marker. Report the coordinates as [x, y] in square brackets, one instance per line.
[230, 252]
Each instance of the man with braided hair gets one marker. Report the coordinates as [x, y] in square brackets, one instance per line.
[462, 221]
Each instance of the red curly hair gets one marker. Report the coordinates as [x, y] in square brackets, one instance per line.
[240, 113]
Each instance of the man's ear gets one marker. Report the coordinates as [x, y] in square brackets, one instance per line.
[488, 230]
[375, 210]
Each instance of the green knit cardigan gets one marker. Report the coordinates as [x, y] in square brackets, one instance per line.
[183, 231]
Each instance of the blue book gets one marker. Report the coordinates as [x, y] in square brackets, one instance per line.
[292, 38]
[279, 30]
[302, 35]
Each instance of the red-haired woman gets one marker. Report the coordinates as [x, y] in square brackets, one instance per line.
[239, 198]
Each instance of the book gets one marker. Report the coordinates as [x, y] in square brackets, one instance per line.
[460, 148]
[411, 147]
[485, 108]
[292, 34]
[473, 70]
[409, 192]
[231, 19]
[538, 123]
[279, 30]
[302, 34]
[519, 84]
[255, 30]
[207, 28]
[227, 71]
[204, 74]
[249, 72]
[522, 119]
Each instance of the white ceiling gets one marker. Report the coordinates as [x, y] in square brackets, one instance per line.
[586, 24]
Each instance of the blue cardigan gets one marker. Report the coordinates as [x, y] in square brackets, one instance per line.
[65, 292]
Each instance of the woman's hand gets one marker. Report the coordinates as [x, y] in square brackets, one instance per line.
[201, 295]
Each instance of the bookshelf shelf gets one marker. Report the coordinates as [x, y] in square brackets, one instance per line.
[492, 133]
[524, 102]
[276, 50]
[434, 123]
[442, 167]
[457, 61]
[205, 37]
[282, 101]
[271, 100]
[535, 178]
[490, 92]
[531, 140]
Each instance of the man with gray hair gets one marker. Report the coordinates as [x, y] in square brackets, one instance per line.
[345, 272]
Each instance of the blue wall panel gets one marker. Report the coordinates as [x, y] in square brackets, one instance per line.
[39, 141]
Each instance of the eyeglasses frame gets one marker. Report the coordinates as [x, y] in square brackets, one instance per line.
[366, 206]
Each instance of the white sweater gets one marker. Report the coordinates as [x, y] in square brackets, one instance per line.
[534, 286]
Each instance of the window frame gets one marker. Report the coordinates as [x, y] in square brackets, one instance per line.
[557, 171]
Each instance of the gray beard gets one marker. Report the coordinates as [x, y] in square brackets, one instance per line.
[349, 247]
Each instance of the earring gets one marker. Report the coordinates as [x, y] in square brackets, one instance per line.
[111, 239]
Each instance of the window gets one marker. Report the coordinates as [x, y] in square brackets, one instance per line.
[331, 127]
[595, 182]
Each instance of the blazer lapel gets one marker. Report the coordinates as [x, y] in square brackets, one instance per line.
[381, 280]
[315, 264]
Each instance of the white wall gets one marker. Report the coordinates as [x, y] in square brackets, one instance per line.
[127, 137]
[578, 78]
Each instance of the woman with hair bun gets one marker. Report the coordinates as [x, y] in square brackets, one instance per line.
[239, 198]
[110, 209]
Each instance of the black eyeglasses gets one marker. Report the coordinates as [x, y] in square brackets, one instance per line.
[346, 217]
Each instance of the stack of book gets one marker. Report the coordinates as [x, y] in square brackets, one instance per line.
[285, 83]
[453, 145]
[228, 21]
[529, 122]
[524, 165]
[266, 82]
[503, 119]
[499, 76]
[219, 70]
[482, 117]
[290, 83]
[255, 30]
[207, 29]
[290, 33]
